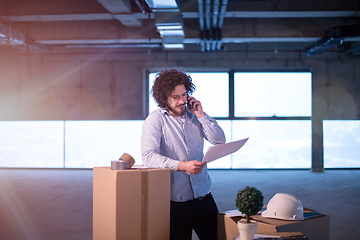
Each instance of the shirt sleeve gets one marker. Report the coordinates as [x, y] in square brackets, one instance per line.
[150, 144]
[212, 131]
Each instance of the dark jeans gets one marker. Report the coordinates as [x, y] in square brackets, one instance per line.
[197, 214]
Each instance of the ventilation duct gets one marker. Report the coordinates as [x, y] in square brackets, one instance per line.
[168, 22]
[163, 5]
[333, 38]
[10, 37]
[121, 10]
[353, 50]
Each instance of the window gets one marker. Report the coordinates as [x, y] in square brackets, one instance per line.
[243, 103]
[273, 144]
[212, 89]
[225, 162]
[279, 104]
[80, 144]
[273, 109]
[341, 143]
[272, 94]
[32, 144]
[97, 143]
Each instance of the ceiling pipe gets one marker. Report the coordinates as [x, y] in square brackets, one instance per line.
[122, 10]
[215, 24]
[140, 6]
[10, 37]
[221, 21]
[201, 23]
[208, 23]
[353, 51]
[333, 38]
[214, 27]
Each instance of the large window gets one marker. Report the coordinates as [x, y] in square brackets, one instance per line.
[211, 88]
[273, 109]
[273, 144]
[32, 144]
[225, 162]
[70, 144]
[97, 143]
[341, 143]
[267, 94]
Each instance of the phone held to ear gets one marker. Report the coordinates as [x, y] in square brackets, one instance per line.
[190, 105]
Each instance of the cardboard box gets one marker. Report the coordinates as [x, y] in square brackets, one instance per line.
[131, 204]
[313, 227]
[227, 227]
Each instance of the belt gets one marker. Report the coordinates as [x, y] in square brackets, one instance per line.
[201, 198]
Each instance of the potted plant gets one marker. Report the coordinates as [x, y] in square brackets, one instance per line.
[249, 201]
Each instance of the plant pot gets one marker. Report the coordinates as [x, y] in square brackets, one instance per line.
[247, 230]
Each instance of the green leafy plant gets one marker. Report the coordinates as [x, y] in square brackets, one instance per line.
[249, 201]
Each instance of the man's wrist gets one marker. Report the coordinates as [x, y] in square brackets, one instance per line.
[200, 115]
[181, 166]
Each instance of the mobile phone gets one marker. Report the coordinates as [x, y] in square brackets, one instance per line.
[190, 105]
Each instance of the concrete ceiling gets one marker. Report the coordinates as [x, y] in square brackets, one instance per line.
[60, 26]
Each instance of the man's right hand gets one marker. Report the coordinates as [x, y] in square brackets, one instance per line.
[191, 167]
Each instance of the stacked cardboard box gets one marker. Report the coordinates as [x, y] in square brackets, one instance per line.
[131, 204]
[314, 226]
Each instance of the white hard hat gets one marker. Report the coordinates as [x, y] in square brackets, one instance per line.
[284, 206]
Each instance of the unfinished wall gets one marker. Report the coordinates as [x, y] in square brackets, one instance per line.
[69, 89]
[86, 87]
[113, 86]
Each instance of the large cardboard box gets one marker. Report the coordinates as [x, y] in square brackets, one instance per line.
[132, 204]
[314, 227]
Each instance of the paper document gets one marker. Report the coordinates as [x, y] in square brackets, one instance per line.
[221, 150]
[262, 237]
[233, 213]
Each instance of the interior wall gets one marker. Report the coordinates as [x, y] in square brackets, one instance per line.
[109, 86]
[69, 89]
[87, 87]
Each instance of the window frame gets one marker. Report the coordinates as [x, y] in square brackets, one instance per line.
[231, 96]
[231, 93]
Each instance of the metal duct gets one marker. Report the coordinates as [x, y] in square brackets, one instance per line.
[201, 23]
[221, 21]
[10, 37]
[353, 50]
[333, 38]
[121, 10]
[215, 24]
[168, 22]
[208, 23]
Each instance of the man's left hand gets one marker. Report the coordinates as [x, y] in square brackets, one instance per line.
[196, 107]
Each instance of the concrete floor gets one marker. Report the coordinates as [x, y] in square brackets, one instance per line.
[57, 204]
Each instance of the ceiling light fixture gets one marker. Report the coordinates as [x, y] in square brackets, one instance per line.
[173, 45]
[169, 27]
[164, 33]
[163, 5]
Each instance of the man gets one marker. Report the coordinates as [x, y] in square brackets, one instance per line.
[173, 137]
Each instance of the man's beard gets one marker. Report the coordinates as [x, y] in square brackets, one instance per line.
[176, 111]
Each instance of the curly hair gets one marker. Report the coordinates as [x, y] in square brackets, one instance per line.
[165, 83]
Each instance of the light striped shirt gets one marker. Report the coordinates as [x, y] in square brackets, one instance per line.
[166, 141]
